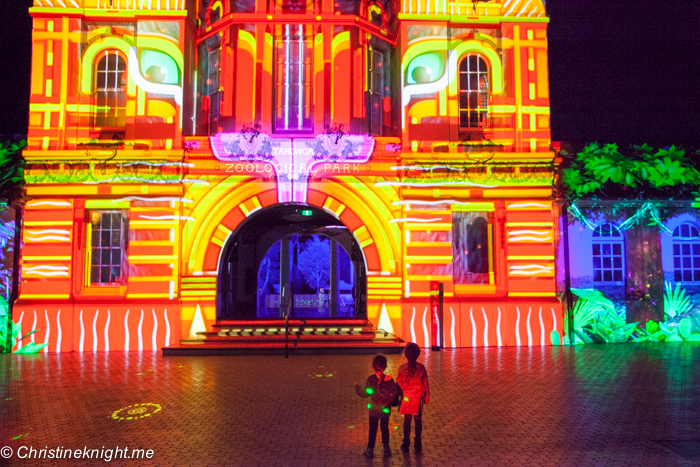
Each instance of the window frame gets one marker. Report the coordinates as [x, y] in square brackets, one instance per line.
[376, 119]
[213, 92]
[680, 240]
[120, 92]
[612, 240]
[121, 284]
[480, 94]
[490, 254]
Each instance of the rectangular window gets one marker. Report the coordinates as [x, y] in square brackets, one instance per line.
[108, 233]
[293, 66]
[472, 245]
[212, 87]
[376, 90]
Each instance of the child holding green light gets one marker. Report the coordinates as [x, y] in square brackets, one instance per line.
[381, 391]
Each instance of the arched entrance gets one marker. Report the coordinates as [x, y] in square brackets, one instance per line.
[284, 245]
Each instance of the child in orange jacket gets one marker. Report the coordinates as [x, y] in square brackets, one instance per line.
[413, 381]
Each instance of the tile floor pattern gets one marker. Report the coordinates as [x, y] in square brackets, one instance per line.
[594, 405]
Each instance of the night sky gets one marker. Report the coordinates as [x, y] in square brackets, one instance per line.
[620, 71]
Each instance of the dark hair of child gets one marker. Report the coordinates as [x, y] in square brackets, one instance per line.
[411, 352]
[379, 362]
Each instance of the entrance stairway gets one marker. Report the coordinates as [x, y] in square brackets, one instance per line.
[306, 337]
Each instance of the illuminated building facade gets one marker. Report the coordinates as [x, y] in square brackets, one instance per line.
[188, 162]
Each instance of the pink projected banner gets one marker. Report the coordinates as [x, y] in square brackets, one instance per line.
[292, 159]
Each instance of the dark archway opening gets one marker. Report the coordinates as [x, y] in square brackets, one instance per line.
[290, 244]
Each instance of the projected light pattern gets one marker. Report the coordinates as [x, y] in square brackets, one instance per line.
[419, 145]
[136, 411]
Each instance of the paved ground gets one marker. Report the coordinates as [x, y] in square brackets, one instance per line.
[627, 404]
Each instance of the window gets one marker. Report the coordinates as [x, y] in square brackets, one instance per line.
[376, 91]
[472, 245]
[686, 253]
[473, 92]
[293, 51]
[108, 232]
[110, 91]
[212, 90]
[608, 258]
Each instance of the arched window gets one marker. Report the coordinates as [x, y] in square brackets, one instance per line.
[110, 90]
[473, 92]
[608, 254]
[686, 253]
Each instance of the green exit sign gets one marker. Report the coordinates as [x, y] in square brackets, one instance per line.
[307, 212]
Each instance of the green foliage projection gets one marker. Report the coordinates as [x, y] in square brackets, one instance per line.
[28, 348]
[599, 320]
[603, 172]
[11, 170]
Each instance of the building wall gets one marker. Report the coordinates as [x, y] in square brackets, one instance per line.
[173, 172]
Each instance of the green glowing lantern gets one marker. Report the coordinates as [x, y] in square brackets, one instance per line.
[369, 391]
[369, 406]
[307, 212]
[386, 410]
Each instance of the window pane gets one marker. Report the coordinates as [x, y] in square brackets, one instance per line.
[608, 276]
[94, 274]
[116, 237]
[687, 276]
[617, 249]
[596, 263]
[618, 276]
[596, 249]
[606, 249]
[471, 255]
[597, 276]
[617, 263]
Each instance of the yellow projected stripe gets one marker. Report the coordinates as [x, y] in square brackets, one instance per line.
[198, 279]
[198, 293]
[45, 295]
[148, 295]
[429, 259]
[46, 258]
[152, 278]
[383, 279]
[31, 223]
